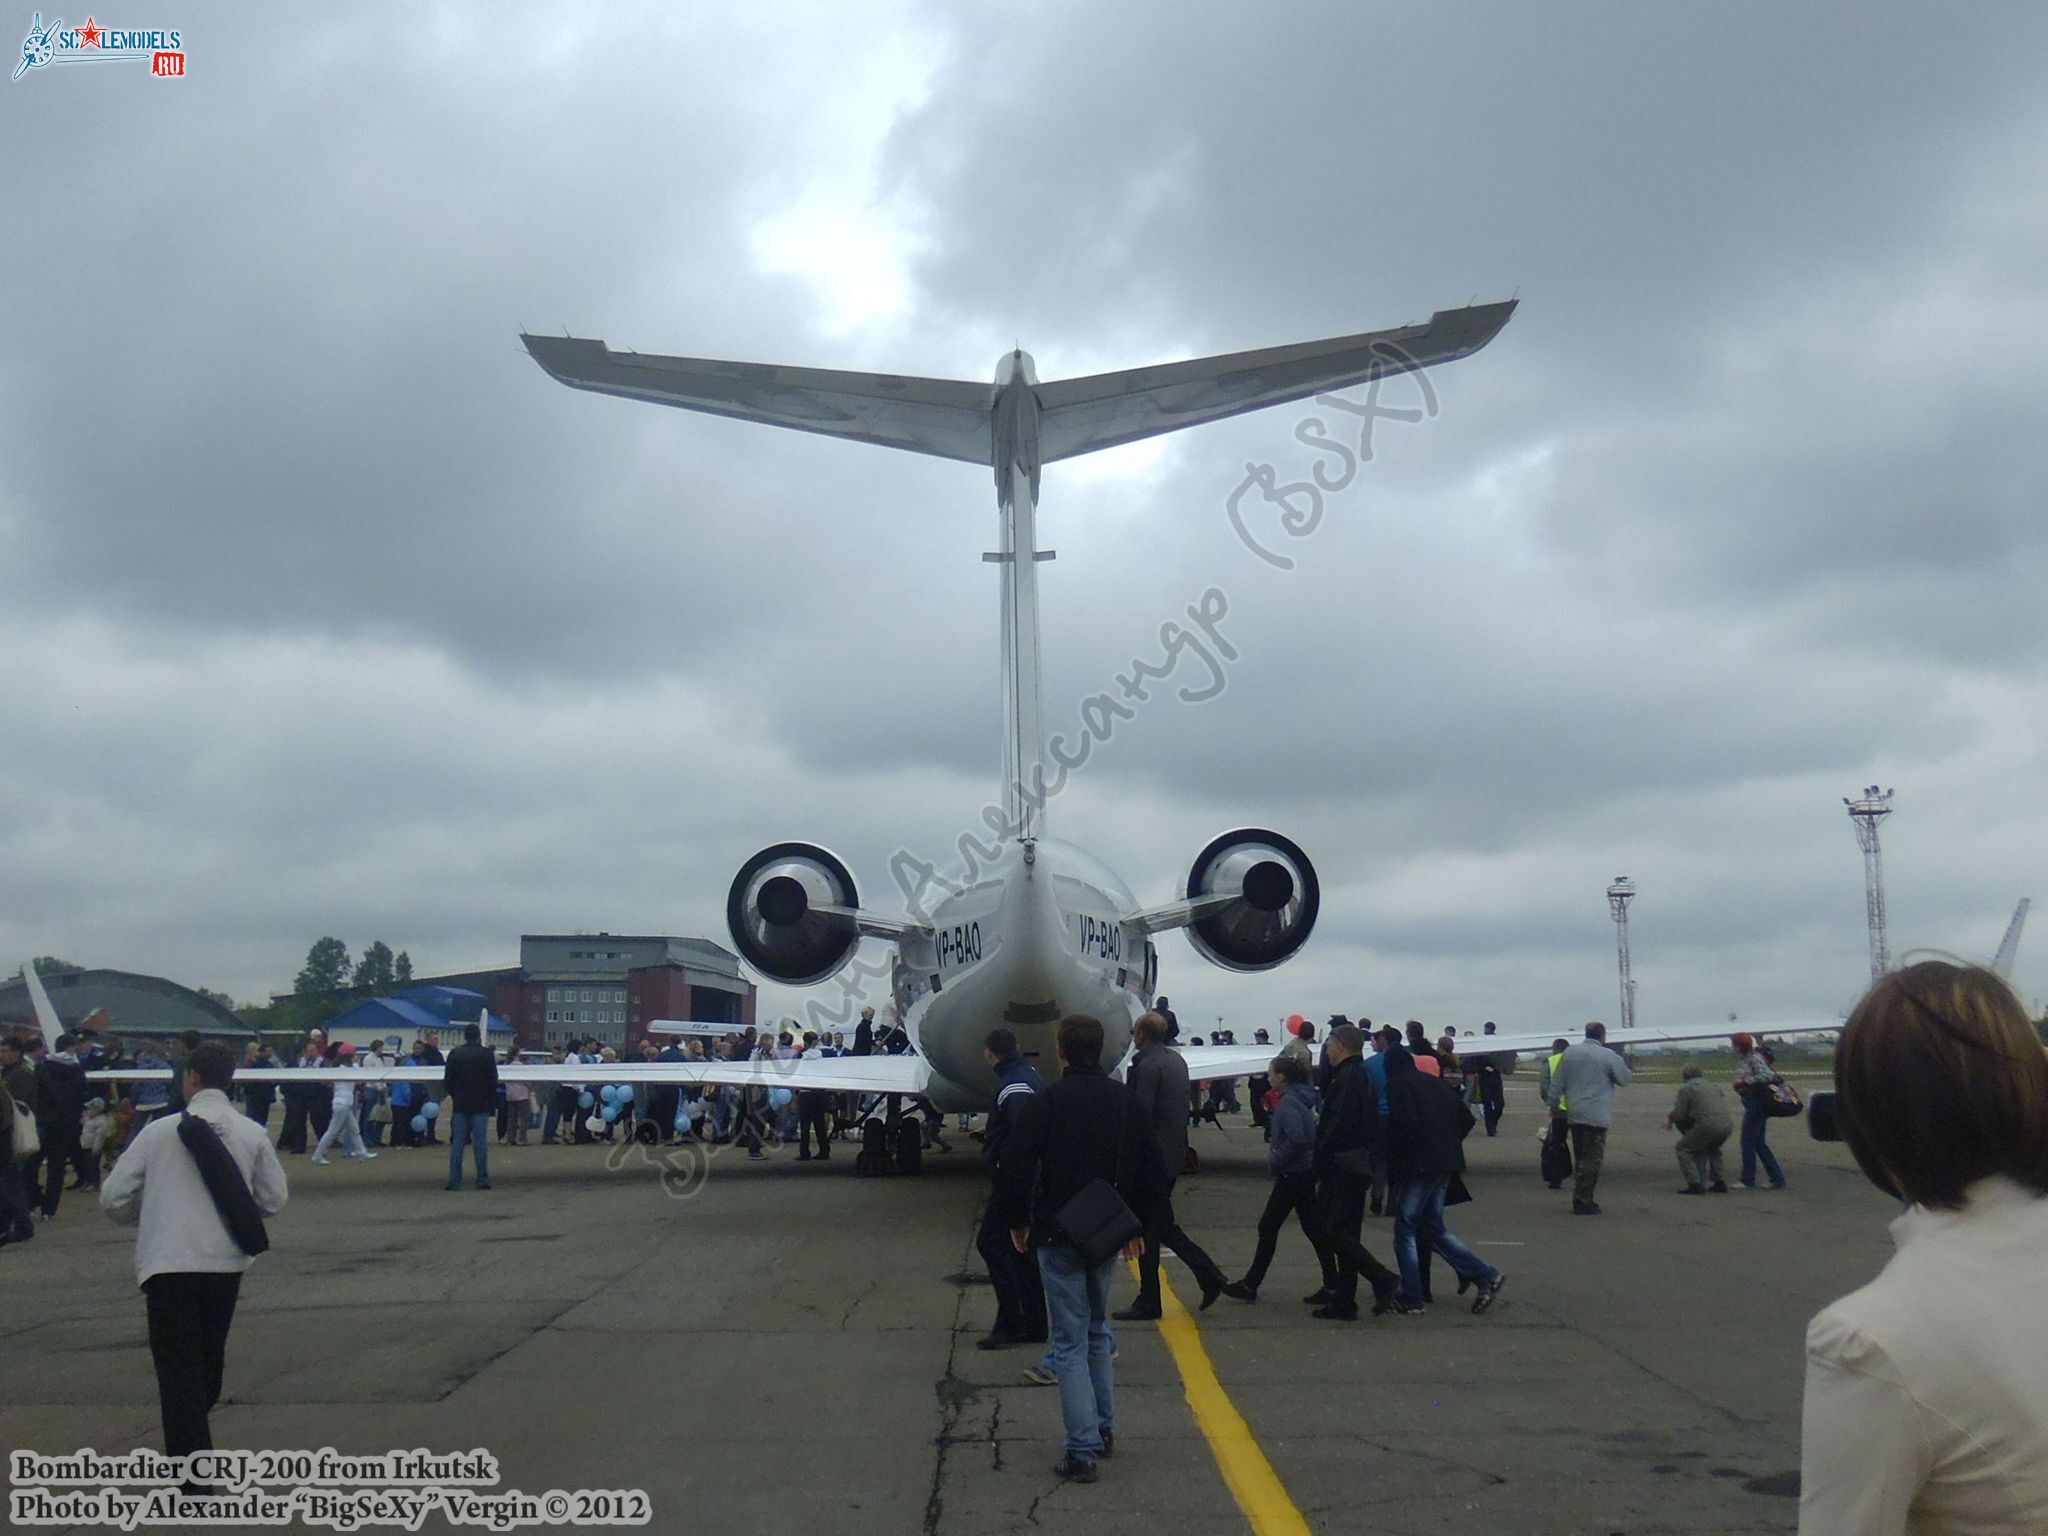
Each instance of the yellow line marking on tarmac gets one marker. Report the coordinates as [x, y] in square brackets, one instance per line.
[1249, 1476]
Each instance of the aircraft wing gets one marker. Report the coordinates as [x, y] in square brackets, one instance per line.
[838, 1074]
[945, 417]
[1106, 409]
[1622, 1040]
[1206, 1062]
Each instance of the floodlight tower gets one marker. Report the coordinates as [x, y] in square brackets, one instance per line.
[1619, 895]
[1867, 810]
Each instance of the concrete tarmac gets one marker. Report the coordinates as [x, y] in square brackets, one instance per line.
[774, 1346]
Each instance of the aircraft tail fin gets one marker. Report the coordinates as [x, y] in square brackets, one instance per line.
[1108, 409]
[947, 418]
[39, 1001]
[2009, 946]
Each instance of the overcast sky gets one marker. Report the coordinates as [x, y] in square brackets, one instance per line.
[327, 612]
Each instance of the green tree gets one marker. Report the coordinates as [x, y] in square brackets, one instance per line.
[376, 970]
[50, 965]
[216, 997]
[402, 968]
[326, 970]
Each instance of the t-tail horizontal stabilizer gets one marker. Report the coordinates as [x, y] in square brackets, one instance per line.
[954, 419]
[937, 416]
[1110, 409]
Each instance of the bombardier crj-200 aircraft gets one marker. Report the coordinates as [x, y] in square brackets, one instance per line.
[1044, 929]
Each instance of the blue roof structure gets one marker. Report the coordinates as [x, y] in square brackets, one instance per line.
[448, 1004]
[389, 1016]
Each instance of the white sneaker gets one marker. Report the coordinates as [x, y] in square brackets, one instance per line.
[318, 1162]
[368, 1157]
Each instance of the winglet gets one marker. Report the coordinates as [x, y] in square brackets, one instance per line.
[2009, 946]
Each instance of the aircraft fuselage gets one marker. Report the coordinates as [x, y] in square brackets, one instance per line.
[1037, 936]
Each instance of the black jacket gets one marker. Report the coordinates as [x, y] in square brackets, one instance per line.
[864, 1038]
[60, 1091]
[1065, 1140]
[1426, 1122]
[1159, 1076]
[1350, 1114]
[1017, 1084]
[471, 1078]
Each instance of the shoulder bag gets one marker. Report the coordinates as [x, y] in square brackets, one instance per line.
[1095, 1220]
[1781, 1100]
[26, 1142]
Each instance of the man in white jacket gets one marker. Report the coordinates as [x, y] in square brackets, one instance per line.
[189, 1268]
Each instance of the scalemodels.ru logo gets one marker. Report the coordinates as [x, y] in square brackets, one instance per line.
[163, 51]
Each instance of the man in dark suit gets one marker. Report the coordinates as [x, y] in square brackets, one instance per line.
[1020, 1294]
[1159, 1080]
[470, 1076]
[1343, 1166]
[60, 1107]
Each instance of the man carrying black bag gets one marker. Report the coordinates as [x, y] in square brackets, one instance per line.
[1345, 1135]
[198, 1226]
[1080, 1178]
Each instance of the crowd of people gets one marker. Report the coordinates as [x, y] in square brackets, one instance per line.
[1362, 1125]
[1926, 1401]
[357, 1119]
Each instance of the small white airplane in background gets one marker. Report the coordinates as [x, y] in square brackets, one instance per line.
[1623, 1040]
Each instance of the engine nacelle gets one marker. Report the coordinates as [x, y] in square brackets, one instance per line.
[1273, 905]
[772, 912]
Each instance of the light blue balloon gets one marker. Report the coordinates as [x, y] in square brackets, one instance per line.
[419, 1125]
[779, 1097]
[682, 1124]
[609, 1093]
[431, 1109]
[585, 1099]
[626, 1094]
[611, 1113]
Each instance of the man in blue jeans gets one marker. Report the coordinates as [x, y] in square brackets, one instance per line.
[1085, 1127]
[1426, 1126]
[471, 1078]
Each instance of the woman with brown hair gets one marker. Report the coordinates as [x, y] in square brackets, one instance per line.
[1927, 1390]
[1755, 1077]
